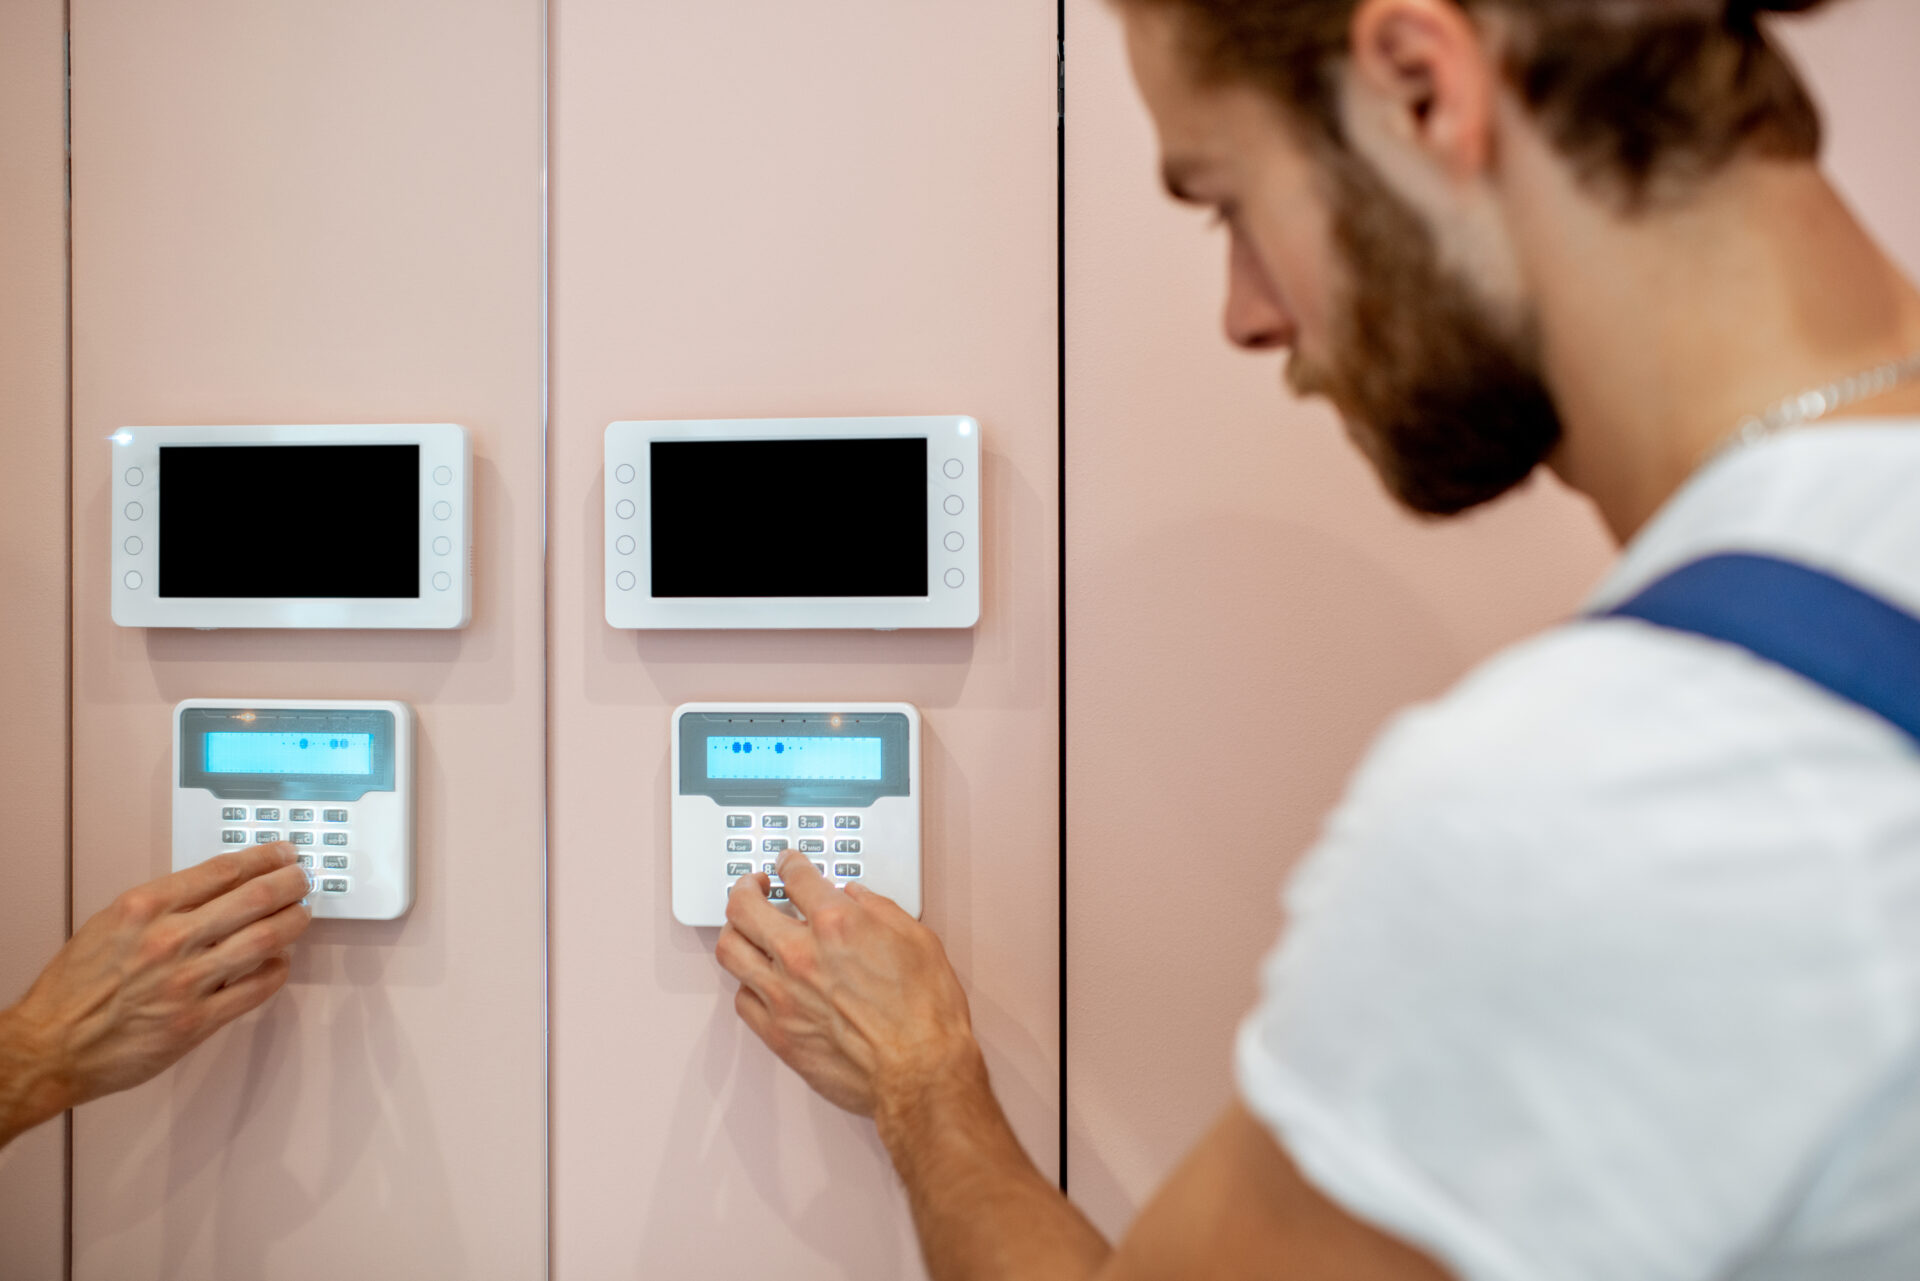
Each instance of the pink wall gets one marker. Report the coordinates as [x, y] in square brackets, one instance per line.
[33, 578]
[1245, 608]
[792, 210]
[333, 213]
[323, 213]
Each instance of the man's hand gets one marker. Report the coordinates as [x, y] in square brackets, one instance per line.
[859, 998]
[148, 978]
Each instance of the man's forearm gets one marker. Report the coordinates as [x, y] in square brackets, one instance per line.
[30, 1088]
[980, 1206]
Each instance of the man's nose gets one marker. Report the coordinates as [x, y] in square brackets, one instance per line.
[1255, 318]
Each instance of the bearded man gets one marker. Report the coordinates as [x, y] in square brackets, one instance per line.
[1608, 964]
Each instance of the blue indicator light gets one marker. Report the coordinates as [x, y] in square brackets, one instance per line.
[797, 757]
[263, 753]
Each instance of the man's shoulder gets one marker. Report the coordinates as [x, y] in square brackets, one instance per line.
[1595, 709]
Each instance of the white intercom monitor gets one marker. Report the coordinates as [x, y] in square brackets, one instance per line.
[838, 782]
[793, 522]
[333, 778]
[292, 526]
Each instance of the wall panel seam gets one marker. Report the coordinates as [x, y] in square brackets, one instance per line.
[66, 755]
[1060, 509]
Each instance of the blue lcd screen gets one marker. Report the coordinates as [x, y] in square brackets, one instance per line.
[795, 757]
[329, 753]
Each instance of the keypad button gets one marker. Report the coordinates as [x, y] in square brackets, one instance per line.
[267, 815]
[738, 870]
[304, 860]
[740, 845]
[847, 822]
[334, 816]
[299, 816]
[334, 838]
[812, 845]
[233, 836]
[333, 885]
[773, 845]
[234, 813]
[846, 847]
[810, 821]
[778, 893]
[739, 820]
[820, 868]
[773, 822]
[301, 838]
[265, 836]
[771, 869]
[334, 862]
[851, 871]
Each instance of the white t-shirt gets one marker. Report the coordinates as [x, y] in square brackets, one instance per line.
[1608, 965]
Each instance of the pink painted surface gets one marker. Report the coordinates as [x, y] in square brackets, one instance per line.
[765, 210]
[1245, 608]
[323, 213]
[33, 581]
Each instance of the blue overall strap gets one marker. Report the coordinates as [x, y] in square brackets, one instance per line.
[1806, 620]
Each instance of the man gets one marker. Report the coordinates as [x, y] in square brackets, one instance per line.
[1608, 965]
[149, 977]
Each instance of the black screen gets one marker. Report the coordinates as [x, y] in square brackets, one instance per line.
[790, 517]
[290, 520]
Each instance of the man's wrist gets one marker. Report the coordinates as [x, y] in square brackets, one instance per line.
[916, 1110]
[32, 1086]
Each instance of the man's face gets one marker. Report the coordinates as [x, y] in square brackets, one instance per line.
[1439, 390]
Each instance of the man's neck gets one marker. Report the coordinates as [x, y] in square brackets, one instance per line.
[1661, 331]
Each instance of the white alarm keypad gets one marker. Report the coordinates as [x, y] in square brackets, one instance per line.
[333, 779]
[838, 783]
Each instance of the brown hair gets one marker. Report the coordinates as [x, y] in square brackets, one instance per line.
[1640, 95]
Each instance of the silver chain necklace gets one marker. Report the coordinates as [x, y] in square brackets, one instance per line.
[1817, 402]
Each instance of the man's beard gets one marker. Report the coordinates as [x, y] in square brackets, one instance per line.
[1446, 402]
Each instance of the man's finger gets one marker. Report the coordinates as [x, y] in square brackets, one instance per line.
[759, 921]
[190, 887]
[744, 961]
[247, 992]
[753, 1012]
[247, 949]
[806, 888]
[244, 904]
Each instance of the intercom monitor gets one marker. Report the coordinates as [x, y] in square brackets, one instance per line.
[793, 523]
[839, 782]
[333, 778]
[292, 526]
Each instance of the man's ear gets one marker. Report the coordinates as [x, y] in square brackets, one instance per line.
[1423, 72]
